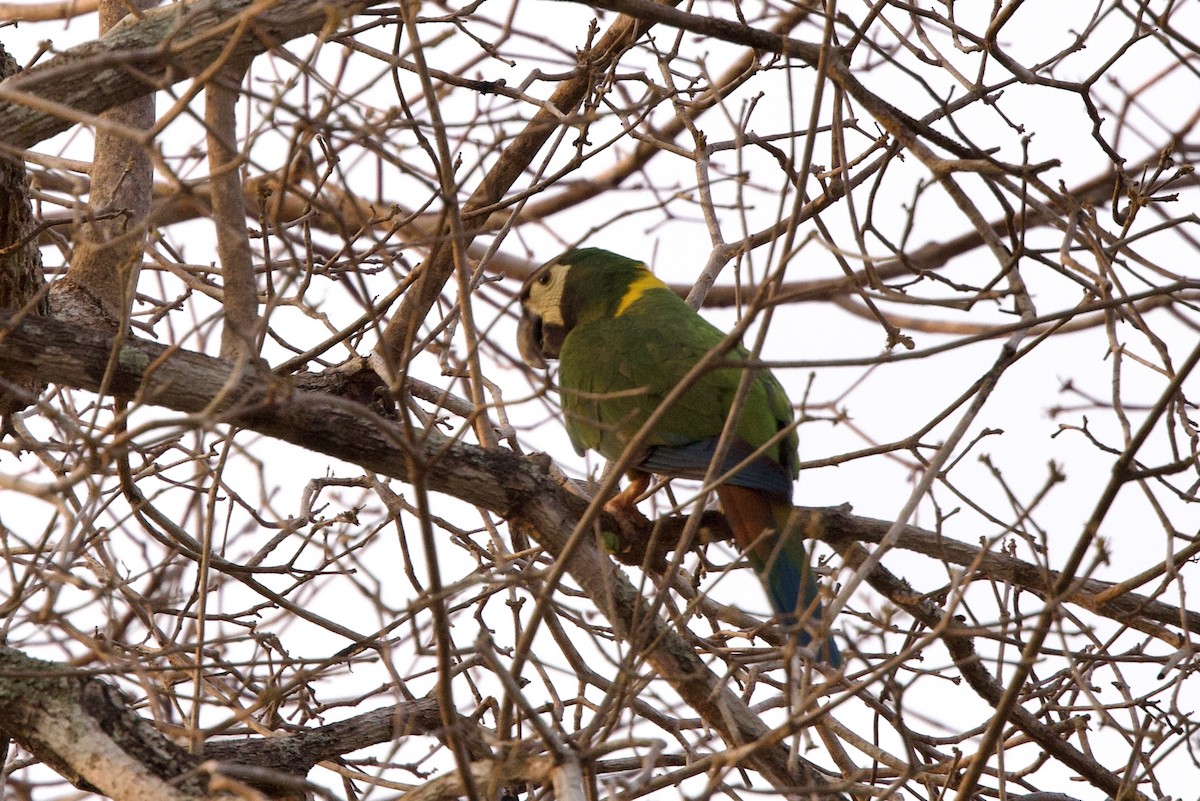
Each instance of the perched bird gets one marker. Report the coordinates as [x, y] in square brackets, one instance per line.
[624, 341]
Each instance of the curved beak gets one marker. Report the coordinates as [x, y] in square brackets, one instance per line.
[537, 339]
[530, 335]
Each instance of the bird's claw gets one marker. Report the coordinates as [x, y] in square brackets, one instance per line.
[628, 543]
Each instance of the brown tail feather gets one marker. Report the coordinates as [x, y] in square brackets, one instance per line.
[748, 513]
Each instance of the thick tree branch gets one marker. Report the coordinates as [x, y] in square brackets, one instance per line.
[240, 332]
[137, 58]
[51, 10]
[839, 528]
[22, 281]
[498, 480]
[99, 285]
[84, 728]
[296, 754]
[81, 728]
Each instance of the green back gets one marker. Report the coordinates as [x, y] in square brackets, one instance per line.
[615, 370]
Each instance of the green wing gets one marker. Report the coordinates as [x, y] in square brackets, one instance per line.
[615, 371]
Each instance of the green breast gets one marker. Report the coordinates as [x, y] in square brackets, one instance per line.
[615, 371]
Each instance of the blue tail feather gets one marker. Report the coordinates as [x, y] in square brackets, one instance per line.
[792, 589]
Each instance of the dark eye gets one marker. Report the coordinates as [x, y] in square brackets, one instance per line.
[544, 279]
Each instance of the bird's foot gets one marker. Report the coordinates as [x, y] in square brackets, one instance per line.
[628, 542]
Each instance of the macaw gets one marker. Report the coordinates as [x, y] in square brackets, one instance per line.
[624, 341]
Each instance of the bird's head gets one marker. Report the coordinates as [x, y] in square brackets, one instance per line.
[579, 286]
[542, 328]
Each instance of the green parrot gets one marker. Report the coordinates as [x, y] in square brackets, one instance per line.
[624, 341]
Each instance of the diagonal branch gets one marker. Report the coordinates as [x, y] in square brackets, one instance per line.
[962, 649]
[81, 728]
[168, 45]
[839, 528]
[85, 729]
[401, 331]
[496, 479]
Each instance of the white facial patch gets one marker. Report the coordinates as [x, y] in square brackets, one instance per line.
[545, 294]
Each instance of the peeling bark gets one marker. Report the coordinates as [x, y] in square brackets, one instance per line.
[21, 278]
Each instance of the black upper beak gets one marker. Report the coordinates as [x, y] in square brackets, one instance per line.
[530, 339]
